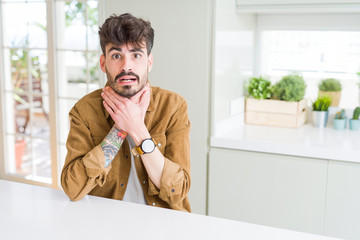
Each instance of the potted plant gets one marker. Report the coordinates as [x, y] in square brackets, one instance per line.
[340, 120]
[320, 111]
[332, 88]
[355, 121]
[259, 88]
[290, 88]
[285, 109]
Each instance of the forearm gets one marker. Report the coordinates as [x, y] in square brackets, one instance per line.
[154, 165]
[86, 169]
[81, 174]
[154, 161]
[112, 143]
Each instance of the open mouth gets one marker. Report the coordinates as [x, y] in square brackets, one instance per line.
[126, 79]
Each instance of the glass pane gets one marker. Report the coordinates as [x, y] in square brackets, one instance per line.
[92, 25]
[72, 74]
[40, 118]
[17, 113]
[94, 71]
[19, 69]
[39, 71]
[15, 27]
[19, 159]
[72, 21]
[37, 25]
[317, 55]
[64, 124]
[41, 158]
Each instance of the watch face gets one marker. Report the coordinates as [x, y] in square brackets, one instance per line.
[148, 146]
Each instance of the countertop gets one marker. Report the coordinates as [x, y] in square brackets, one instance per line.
[33, 212]
[305, 141]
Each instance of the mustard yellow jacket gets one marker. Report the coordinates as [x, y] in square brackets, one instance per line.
[84, 172]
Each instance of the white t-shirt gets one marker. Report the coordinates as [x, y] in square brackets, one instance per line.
[133, 192]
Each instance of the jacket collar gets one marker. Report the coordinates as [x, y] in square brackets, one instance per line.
[150, 108]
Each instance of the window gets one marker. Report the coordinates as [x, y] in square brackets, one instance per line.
[317, 55]
[36, 98]
[317, 45]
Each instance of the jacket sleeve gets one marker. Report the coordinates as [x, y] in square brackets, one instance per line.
[84, 166]
[175, 179]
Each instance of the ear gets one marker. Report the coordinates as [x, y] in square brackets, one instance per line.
[150, 62]
[102, 63]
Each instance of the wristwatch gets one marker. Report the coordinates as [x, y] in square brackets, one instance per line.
[147, 146]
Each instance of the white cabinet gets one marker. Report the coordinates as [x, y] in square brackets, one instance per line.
[274, 190]
[343, 200]
[305, 6]
[304, 194]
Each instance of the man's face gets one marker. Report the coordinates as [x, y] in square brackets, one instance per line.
[126, 68]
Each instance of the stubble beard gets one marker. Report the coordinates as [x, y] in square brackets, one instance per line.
[125, 91]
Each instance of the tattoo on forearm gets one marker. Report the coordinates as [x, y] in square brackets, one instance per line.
[112, 143]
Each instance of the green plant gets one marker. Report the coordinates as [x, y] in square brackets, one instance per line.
[356, 113]
[259, 88]
[322, 103]
[290, 88]
[330, 85]
[340, 114]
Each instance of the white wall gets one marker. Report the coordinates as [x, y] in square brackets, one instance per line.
[182, 60]
[233, 54]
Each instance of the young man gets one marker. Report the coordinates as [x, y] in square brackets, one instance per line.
[129, 141]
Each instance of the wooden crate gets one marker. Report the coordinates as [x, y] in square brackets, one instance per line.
[275, 113]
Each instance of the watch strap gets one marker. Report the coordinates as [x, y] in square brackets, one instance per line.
[138, 151]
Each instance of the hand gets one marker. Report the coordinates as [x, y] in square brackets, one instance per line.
[128, 114]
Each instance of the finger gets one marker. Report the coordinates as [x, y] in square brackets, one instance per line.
[109, 101]
[108, 108]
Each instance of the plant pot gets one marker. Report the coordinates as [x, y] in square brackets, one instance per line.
[19, 152]
[276, 113]
[354, 124]
[319, 118]
[335, 97]
[340, 124]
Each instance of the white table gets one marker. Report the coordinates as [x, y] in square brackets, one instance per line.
[32, 212]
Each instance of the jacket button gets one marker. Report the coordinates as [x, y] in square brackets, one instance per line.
[144, 182]
[127, 156]
[172, 190]
[122, 184]
[153, 204]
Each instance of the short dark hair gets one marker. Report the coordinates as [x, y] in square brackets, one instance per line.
[126, 29]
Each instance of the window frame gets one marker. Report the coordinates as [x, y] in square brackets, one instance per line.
[53, 96]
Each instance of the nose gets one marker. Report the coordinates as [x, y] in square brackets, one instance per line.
[127, 65]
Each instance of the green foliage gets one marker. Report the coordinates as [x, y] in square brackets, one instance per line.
[356, 113]
[340, 114]
[322, 103]
[290, 88]
[330, 85]
[259, 88]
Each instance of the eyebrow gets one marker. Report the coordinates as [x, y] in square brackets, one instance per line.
[120, 50]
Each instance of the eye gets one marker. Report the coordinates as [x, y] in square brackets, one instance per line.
[116, 56]
[137, 55]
